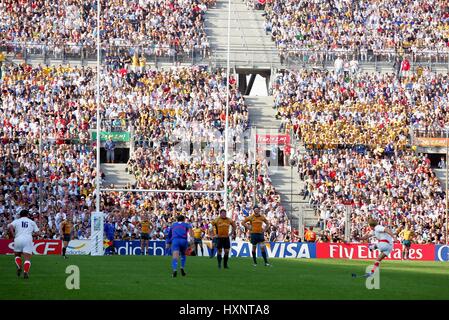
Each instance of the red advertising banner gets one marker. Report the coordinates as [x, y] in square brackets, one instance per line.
[41, 247]
[360, 251]
[4, 248]
[273, 139]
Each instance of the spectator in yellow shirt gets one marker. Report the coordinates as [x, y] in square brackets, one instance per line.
[135, 62]
[310, 235]
[142, 63]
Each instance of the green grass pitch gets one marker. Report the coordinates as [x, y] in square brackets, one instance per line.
[149, 277]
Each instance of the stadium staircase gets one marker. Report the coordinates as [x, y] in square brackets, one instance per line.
[251, 50]
[441, 175]
[116, 175]
[250, 47]
[284, 178]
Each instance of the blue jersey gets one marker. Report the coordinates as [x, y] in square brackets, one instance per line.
[167, 240]
[179, 230]
[166, 233]
[178, 237]
[109, 229]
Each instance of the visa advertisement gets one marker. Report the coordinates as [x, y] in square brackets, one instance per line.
[238, 249]
[276, 249]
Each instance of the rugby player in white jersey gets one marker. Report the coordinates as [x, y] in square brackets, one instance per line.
[22, 230]
[385, 238]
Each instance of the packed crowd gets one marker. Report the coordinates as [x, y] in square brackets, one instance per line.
[329, 111]
[180, 103]
[181, 125]
[397, 189]
[356, 129]
[200, 209]
[54, 104]
[358, 26]
[162, 27]
[180, 140]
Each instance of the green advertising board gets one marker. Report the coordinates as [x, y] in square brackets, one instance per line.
[116, 136]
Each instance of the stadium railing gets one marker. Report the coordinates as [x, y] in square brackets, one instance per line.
[87, 53]
[430, 133]
[240, 55]
[116, 125]
[376, 58]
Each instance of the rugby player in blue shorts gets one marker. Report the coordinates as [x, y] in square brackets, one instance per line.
[177, 239]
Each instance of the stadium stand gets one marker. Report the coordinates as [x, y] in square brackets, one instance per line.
[325, 29]
[357, 133]
[355, 126]
[67, 29]
[161, 104]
